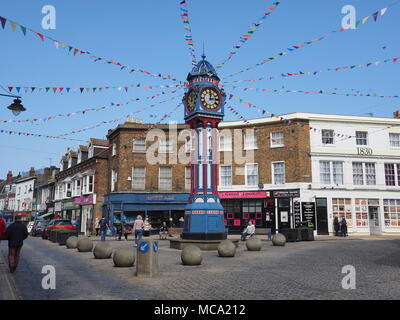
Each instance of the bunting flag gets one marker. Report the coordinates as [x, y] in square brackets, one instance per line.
[188, 30]
[250, 105]
[314, 73]
[237, 114]
[68, 48]
[85, 111]
[168, 115]
[356, 94]
[19, 89]
[304, 44]
[27, 134]
[246, 36]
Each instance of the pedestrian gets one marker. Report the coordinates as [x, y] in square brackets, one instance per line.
[119, 231]
[170, 227]
[16, 233]
[181, 222]
[103, 223]
[164, 231]
[127, 230]
[249, 231]
[97, 226]
[343, 227]
[2, 228]
[336, 226]
[138, 227]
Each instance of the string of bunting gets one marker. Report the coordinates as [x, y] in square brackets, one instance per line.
[85, 111]
[250, 105]
[292, 48]
[82, 89]
[168, 115]
[75, 51]
[188, 35]
[27, 134]
[314, 73]
[237, 114]
[376, 95]
[246, 36]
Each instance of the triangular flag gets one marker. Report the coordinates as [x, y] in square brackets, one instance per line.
[3, 22]
[383, 11]
[365, 19]
[375, 15]
[13, 26]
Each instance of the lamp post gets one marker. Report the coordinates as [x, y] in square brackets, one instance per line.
[16, 107]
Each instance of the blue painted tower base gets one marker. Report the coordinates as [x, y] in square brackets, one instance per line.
[204, 220]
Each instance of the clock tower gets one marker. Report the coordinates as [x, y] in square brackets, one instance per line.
[204, 110]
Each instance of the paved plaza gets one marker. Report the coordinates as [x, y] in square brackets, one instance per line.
[302, 270]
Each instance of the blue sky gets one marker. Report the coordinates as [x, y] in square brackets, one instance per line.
[149, 34]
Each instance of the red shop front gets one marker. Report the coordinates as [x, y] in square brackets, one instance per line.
[240, 207]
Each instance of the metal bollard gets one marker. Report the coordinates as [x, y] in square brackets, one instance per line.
[147, 258]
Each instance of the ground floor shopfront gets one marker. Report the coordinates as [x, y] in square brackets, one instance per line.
[8, 216]
[372, 212]
[156, 207]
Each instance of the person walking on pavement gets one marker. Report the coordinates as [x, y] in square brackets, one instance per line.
[16, 233]
[343, 227]
[97, 226]
[138, 227]
[119, 231]
[103, 223]
[2, 228]
[170, 227]
[336, 226]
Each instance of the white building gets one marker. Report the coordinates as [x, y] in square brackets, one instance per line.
[24, 195]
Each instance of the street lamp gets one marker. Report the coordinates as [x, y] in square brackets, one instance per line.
[16, 107]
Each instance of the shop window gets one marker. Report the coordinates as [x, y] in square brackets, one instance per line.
[230, 215]
[361, 210]
[391, 209]
[245, 215]
[237, 223]
[342, 208]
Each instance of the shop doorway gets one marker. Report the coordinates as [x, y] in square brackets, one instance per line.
[374, 223]
[322, 216]
[284, 213]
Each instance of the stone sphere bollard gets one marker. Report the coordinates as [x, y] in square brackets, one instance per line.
[253, 244]
[85, 245]
[72, 242]
[279, 240]
[191, 256]
[102, 251]
[226, 249]
[124, 258]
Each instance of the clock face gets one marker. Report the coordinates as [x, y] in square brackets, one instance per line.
[191, 101]
[210, 99]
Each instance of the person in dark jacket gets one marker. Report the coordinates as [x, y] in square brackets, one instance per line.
[336, 226]
[16, 234]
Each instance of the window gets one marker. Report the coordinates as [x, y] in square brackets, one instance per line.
[90, 184]
[165, 146]
[139, 178]
[187, 178]
[69, 162]
[114, 149]
[277, 139]
[77, 188]
[392, 178]
[278, 172]
[394, 139]
[165, 178]
[226, 176]
[342, 208]
[391, 209]
[358, 175]
[91, 152]
[250, 141]
[139, 145]
[331, 172]
[225, 143]
[327, 136]
[252, 174]
[364, 173]
[361, 208]
[361, 138]
[114, 179]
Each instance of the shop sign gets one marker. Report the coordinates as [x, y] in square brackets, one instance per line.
[84, 201]
[160, 197]
[308, 210]
[297, 213]
[286, 193]
[244, 194]
[70, 205]
[58, 206]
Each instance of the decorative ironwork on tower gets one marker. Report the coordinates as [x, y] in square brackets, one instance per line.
[204, 110]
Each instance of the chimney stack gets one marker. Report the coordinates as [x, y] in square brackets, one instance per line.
[32, 172]
[396, 114]
[9, 177]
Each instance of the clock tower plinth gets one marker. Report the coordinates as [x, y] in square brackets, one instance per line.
[204, 110]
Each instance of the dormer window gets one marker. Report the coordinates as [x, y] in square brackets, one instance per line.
[79, 156]
[91, 152]
[69, 162]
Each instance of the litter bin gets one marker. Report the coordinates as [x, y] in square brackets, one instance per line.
[147, 258]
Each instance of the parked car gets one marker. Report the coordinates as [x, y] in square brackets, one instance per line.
[57, 224]
[30, 226]
[38, 227]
